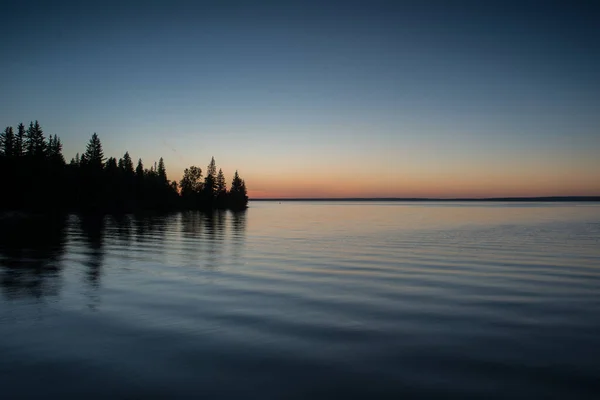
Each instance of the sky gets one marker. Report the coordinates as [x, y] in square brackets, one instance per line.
[320, 98]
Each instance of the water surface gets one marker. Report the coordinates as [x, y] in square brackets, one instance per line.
[299, 300]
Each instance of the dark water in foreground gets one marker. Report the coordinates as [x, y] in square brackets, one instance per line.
[306, 300]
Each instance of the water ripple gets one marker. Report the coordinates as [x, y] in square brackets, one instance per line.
[306, 300]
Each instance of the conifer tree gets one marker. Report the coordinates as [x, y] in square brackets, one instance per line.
[162, 172]
[20, 140]
[7, 142]
[75, 161]
[210, 183]
[221, 184]
[139, 170]
[90, 183]
[111, 165]
[139, 182]
[127, 164]
[236, 183]
[238, 197]
[55, 150]
[94, 155]
[35, 142]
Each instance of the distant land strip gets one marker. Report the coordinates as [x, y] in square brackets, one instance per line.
[417, 199]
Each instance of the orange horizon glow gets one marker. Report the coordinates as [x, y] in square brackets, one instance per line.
[443, 185]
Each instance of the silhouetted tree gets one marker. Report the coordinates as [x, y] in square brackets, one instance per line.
[126, 183]
[34, 175]
[55, 155]
[139, 184]
[92, 182]
[20, 141]
[94, 156]
[112, 191]
[162, 172]
[238, 197]
[139, 170]
[126, 164]
[191, 186]
[221, 198]
[209, 190]
[7, 142]
[111, 166]
[56, 175]
[7, 163]
[34, 141]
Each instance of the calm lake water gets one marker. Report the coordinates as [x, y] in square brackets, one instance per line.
[306, 300]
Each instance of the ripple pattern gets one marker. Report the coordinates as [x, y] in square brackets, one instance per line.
[300, 300]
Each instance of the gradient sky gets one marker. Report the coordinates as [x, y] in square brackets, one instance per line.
[309, 99]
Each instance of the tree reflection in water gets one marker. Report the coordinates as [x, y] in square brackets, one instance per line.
[31, 256]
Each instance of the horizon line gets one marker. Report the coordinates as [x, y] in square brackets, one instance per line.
[516, 198]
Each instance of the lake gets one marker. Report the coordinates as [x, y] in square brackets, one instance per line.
[305, 300]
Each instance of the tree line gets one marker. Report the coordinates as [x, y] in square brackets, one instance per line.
[35, 176]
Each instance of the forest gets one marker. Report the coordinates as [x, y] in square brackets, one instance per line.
[34, 176]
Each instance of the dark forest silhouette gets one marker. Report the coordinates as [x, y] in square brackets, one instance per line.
[35, 177]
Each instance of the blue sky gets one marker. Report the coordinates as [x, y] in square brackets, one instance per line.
[439, 98]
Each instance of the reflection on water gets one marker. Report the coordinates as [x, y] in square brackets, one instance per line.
[92, 230]
[31, 249]
[304, 300]
[30, 257]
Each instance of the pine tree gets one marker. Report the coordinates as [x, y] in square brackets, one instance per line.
[238, 196]
[34, 141]
[210, 182]
[20, 141]
[236, 183]
[221, 184]
[93, 153]
[55, 150]
[221, 198]
[212, 168]
[111, 165]
[7, 142]
[139, 170]
[126, 165]
[162, 172]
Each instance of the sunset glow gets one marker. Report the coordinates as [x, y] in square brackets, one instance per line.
[398, 99]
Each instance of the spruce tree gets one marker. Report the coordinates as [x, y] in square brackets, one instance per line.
[210, 183]
[140, 185]
[236, 183]
[139, 170]
[20, 141]
[238, 197]
[93, 153]
[55, 150]
[162, 172]
[221, 184]
[221, 198]
[7, 142]
[35, 143]
[111, 165]
[126, 165]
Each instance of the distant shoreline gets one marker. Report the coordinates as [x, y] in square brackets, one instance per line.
[416, 199]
